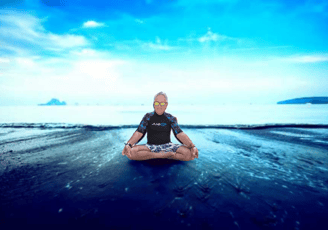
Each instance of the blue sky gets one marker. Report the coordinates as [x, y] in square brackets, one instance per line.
[124, 52]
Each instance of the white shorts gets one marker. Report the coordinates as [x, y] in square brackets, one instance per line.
[168, 147]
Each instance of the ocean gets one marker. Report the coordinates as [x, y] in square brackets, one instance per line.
[225, 115]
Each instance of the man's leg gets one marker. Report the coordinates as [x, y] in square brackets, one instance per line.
[142, 152]
[182, 154]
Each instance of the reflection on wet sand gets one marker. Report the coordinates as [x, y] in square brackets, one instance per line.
[243, 178]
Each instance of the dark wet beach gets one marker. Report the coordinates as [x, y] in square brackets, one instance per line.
[274, 178]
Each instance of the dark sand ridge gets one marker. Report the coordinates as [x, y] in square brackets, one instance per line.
[274, 178]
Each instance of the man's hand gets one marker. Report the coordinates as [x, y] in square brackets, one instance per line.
[194, 152]
[127, 151]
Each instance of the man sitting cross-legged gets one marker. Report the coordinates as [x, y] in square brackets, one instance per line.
[158, 125]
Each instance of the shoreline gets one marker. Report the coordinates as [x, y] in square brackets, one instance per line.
[109, 127]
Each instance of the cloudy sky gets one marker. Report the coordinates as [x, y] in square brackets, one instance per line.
[197, 51]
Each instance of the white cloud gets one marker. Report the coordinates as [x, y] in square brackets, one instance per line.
[139, 21]
[4, 60]
[5, 46]
[92, 24]
[145, 45]
[90, 75]
[26, 62]
[219, 81]
[19, 31]
[210, 36]
[156, 46]
[306, 59]
[263, 48]
[85, 52]
[69, 77]
[67, 41]
[97, 69]
[217, 39]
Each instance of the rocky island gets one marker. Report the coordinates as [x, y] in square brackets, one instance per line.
[306, 100]
[54, 101]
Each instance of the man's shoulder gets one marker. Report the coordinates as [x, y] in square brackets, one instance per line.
[169, 116]
[148, 115]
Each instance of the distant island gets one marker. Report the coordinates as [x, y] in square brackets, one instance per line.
[54, 101]
[306, 100]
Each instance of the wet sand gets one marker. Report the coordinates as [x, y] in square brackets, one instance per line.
[274, 178]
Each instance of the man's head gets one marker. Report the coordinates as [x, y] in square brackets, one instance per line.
[158, 100]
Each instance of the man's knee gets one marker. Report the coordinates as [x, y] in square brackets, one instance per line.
[185, 152]
[190, 157]
[134, 150]
[133, 153]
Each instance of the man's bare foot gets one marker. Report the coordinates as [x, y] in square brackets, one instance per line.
[193, 153]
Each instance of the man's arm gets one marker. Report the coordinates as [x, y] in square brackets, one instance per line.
[135, 137]
[185, 140]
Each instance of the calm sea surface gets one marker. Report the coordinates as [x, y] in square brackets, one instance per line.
[187, 115]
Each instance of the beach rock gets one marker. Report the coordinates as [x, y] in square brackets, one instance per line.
[306, 100]
[54, 101]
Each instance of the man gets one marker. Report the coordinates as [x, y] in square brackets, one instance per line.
[158, 125]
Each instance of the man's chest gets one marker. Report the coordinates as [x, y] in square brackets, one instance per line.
[159, 125]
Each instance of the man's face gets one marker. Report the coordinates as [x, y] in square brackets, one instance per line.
[159, 109]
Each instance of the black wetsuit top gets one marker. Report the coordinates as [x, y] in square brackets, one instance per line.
[158, 128]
